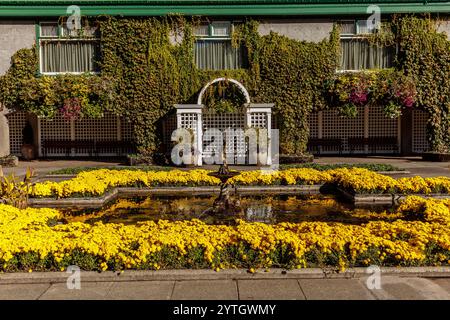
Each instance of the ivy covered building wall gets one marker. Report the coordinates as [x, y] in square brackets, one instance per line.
[146, 61]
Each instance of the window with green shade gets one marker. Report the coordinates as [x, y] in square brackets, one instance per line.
[62, 50]
[214, 50]
[357, 53]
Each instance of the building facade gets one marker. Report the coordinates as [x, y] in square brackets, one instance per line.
[28, 23]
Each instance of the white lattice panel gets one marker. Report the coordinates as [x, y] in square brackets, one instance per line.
[57, 128]
[127, 131]
[17, 122]
[382, 126]
[100, 129]
[313, 121]
[419, 131]
[338, 127]
[189, 121]
[231, 125]
[258, 120]
[105, 128]
[169, 125]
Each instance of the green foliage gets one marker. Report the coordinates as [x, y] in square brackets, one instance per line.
[368, 166]
[77, 170]
[15, 192]
[390, 89]
[153, 74]
[392, 110]
[348, 110]
[292, 74]
[23, 89]
[424, 55]
[145, 72]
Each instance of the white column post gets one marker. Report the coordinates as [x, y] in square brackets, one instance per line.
[197, 127]
[267, 109]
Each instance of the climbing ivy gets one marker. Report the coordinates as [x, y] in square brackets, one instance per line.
[148, 66]
[74, 96]
[424, 55]
[145, 72]
[389, 89]
[153, 74]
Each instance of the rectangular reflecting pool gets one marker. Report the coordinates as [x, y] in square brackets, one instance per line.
[266, 209]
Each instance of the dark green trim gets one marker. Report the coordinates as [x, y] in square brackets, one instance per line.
[37, 28]
[205, 2]
[225, 10]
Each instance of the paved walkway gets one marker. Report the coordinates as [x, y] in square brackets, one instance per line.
[41, 167]
[392, 287]
[260, 287]
[413, 164]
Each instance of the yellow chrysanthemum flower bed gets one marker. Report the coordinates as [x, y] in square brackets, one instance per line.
[30, 239]
[97, 182]
[364, 181]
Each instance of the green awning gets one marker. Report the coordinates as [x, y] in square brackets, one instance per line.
[41, 8]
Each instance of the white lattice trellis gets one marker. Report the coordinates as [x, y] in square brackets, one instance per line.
[57, 128]
[370, 122]
[107, 128]
[419, 131]
[259, 115]
[189, 116]
[17, 122]
[381, 126]
[230, 125]
[258, 120]
[338, 127]
[313, 121]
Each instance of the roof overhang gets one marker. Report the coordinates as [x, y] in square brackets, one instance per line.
[56, 8]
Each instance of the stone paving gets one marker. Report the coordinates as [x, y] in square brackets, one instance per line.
[412, 164]
[392, 287]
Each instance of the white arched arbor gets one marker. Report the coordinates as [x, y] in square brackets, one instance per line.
[257, 115]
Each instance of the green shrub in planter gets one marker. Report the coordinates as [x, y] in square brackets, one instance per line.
[9, 161]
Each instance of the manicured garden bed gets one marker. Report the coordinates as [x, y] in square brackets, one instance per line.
[355, 180]
[361, 181]
[415, 234]
[96, 183]
[381, 167]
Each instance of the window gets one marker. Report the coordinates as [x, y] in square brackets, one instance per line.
[358, 53]
[213, 48]
[68, 51]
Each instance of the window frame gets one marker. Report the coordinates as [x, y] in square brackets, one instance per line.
[212, 37]
[356, 35]
[60, 37]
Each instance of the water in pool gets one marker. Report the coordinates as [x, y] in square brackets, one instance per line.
[267, 209]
